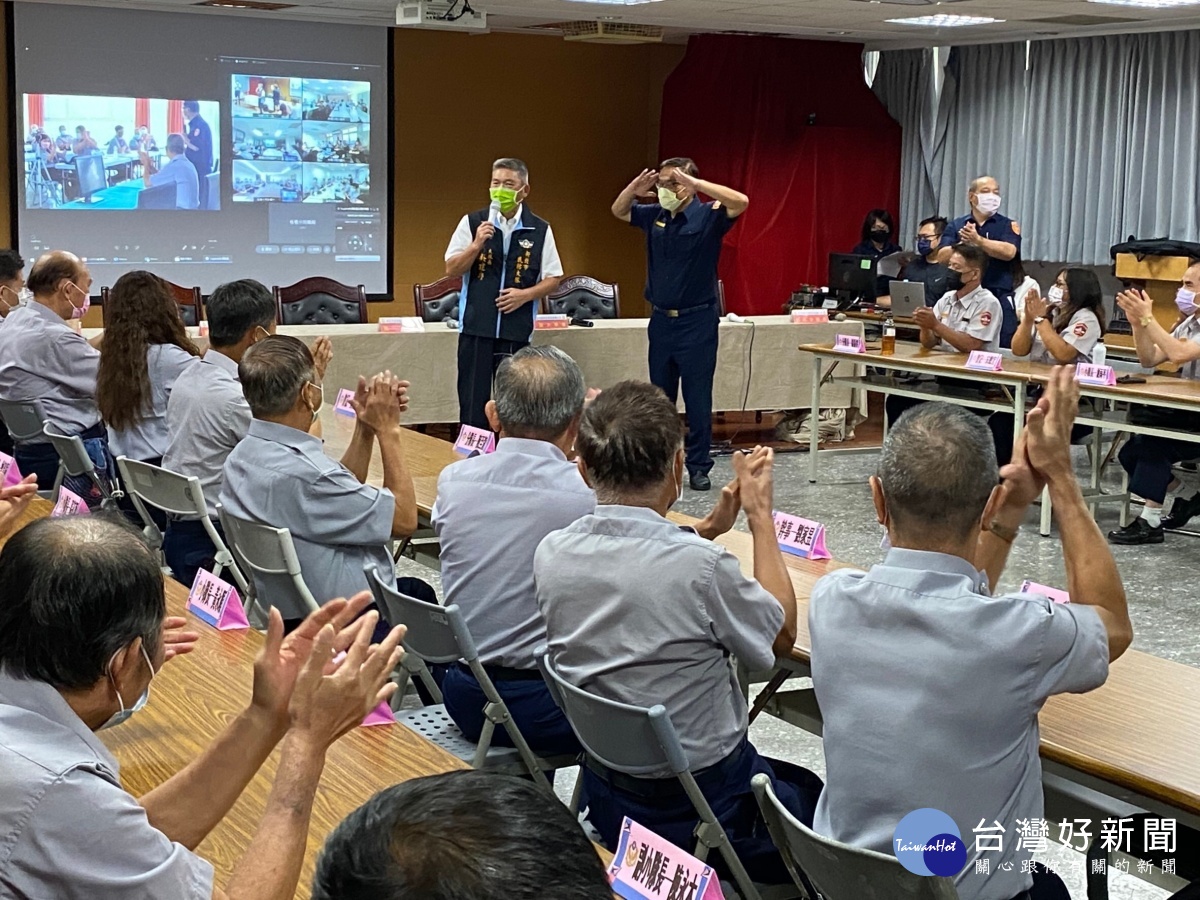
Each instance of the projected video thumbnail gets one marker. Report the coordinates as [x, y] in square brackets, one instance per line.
[300, 139]
[87, 152]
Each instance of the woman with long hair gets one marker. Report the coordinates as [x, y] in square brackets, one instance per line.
[1060, 329]
[144, 350]
[878, 240]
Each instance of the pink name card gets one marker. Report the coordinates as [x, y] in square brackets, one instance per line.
[69, 504]
[646, 867]
[849, 343]
[809, 317]
[203, 328]
[1100, 376]
[552, 320]
[800, 537]
[342, 406]
[474, 441]
[9, 473]
[401, 324]
[216, 602]
[983, 361]
[1032, 587]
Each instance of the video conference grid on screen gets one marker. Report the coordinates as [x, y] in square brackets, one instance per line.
[262, 168]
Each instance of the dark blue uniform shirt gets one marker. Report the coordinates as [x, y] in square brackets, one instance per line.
[997, 277]
[199, 134]
[682, 251]
[866, 248]
[933, 275]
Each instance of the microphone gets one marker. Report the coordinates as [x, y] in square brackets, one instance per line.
[494, 211]
[734, 317]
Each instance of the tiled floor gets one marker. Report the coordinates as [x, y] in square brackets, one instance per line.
[1165, 615]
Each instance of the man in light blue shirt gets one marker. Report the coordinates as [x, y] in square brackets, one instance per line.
[178, 171]
[930, 686]
[491, 513]
[279, 475]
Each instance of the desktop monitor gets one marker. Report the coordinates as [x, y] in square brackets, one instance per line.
[852, 276]
[90, 175]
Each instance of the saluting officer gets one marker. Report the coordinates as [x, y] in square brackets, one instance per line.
[996, 235]
[508, 261]
[683, 247]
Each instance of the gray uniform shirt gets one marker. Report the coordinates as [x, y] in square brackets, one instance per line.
[281, 477]
[977, 314]
[1082, 332]
[491, 513]
[148, 438]
[181, 173]
[930, 690]
[207, 415]
[1187, 330]
[42, 358]
[642, 611]
[68, 830]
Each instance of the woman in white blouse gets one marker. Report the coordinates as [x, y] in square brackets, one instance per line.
[1061, 329]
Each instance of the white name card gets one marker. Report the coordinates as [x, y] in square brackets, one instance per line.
[1100, 376]
[849, 343]
[983, 361]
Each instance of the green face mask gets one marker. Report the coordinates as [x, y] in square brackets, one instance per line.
[506, 197]
[668, 200]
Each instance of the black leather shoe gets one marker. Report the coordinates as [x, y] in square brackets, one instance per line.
[700, 482]
[1182, 511]
[1139, 531]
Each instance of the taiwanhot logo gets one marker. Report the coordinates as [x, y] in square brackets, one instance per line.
[928, 842]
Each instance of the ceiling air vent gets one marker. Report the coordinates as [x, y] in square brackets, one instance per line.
[1084, 20]
[611, 32]
[245, 4]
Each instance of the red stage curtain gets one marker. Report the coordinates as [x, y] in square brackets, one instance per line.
[740, 106]
[141, 112]
[174, 117]
[35, 111]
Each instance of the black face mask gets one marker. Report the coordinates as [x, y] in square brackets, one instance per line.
[954, 280]
[880, 236]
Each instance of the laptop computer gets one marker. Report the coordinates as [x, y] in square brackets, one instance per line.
[907, 297]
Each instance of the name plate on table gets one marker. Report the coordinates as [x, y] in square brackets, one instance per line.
[810, 317]
[849, 343]
[474, 441]
[552, 320]
[342, 405]
[800, 537]
[1032, 587]
[9, 473]
[216, 602]
[646, 867]
[202, 329]
[829, 303]
[1100, 376]
[69, 504]
[982, 361]
[401, 324]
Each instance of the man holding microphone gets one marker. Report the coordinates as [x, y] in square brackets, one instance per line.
[508, 261]
[683, 246]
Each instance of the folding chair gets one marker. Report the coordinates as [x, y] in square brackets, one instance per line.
[838, 871]
[438, 635]
[176, 495]
[74, 461]
[25, 420]
[634, 739]
[266, 551]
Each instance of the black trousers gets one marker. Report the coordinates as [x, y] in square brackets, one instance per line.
[684, 349]
[478, 359]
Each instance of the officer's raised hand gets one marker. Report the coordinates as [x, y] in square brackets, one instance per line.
[644, 183]
[483, 234]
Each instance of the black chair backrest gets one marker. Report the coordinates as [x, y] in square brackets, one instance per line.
[321, 301]
[583, 297]
[160, 196]
[438, 301]
[190, 300]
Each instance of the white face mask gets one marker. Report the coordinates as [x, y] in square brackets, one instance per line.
[1054, 296]
[124, 714]
[667, 199]
[988, 203]
[317, 410]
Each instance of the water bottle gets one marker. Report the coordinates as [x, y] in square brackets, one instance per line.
[1099, 354]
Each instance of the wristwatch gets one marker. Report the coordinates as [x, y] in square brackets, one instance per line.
[1038, 320]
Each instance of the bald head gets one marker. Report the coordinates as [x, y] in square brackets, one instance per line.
[539, 393]
[76, 590]
[52, 269]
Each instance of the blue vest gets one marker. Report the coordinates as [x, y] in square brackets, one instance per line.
[493, 271]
